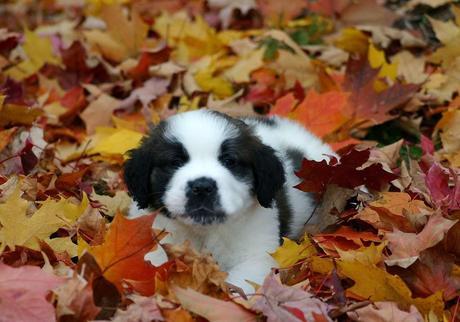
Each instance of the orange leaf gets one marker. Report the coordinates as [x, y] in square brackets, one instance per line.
[367, 107]
[284, 105]
[344, 238]
[322, 113]
[121, 256]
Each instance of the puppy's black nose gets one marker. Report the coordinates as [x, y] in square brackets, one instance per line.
[202, 186]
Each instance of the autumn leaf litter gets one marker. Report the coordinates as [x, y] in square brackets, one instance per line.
[81, 83]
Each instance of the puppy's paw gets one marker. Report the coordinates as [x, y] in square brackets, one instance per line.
[254, 270]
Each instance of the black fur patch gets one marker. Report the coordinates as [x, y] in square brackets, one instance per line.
[296, 158]
[284, 213]
[256, 162]
[269, 175]
[151, 166]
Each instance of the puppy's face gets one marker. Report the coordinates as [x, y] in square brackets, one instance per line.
[202, 168]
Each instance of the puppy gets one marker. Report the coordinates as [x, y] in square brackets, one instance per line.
[226, 185]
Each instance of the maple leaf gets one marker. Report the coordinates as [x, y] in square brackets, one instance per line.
[23, 292]
[290, 252]
[125, 245]
[317, 175]
[194, 270]
[449, 34]
[151, 89]
[39, 51]
[367, 106]
[24, 230]
[366, 255]
[267, 86]
[386, 311]
[434, 271]
[322, 113]
[147, 59]
[375, 284]
[344, 238]
[450, 134]
[437, 182]
[406, 247]
[212, 309]
[395, 210]
[191, 40]
[75, 300]
[377, 60]
[275, 10]
[143, 309]
[18, 114]
[282, 303]
[99, 112]
[75, 68]
[110, 141]
[120, 201]
[118, 44]
[240, 72]
[207, 78]
[293, 64]
[74, 101]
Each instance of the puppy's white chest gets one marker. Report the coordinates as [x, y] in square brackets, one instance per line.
[232, 243]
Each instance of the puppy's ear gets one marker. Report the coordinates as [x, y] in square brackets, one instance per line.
[268, 175]
[137, 174]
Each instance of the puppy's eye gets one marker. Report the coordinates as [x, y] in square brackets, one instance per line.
[229, 161]
[172, 164]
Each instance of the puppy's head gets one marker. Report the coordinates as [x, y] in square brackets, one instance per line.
[203, 167]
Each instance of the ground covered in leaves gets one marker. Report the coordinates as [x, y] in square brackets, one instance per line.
[80, 82]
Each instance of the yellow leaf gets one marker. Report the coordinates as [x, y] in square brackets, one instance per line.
[290, 252]
[18, 114]
[241, 71]
[209, 80]
[352, 40]
[450, 131]
[70, 151]
[95, 6]
[82, 246]
[377, 60]
[321, 265]
[226, 37]
[110, 141]
[20, 229]
[445, 31]
[375, 284]
[118, 43]
[186, 104]
[296, 66]
[365, 255]
[121, 202]
[191, 39]
[39, 51]
[449, 35]
[412, 68]
[63, 244]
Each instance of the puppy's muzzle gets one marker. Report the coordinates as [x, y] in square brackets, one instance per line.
[203, 204]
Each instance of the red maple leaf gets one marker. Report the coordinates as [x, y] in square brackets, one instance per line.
[317, 175]
[367, 106]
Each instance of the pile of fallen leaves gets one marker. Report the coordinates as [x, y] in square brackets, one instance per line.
[81, 82]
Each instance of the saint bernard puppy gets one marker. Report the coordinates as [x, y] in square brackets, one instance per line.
[226, 185]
